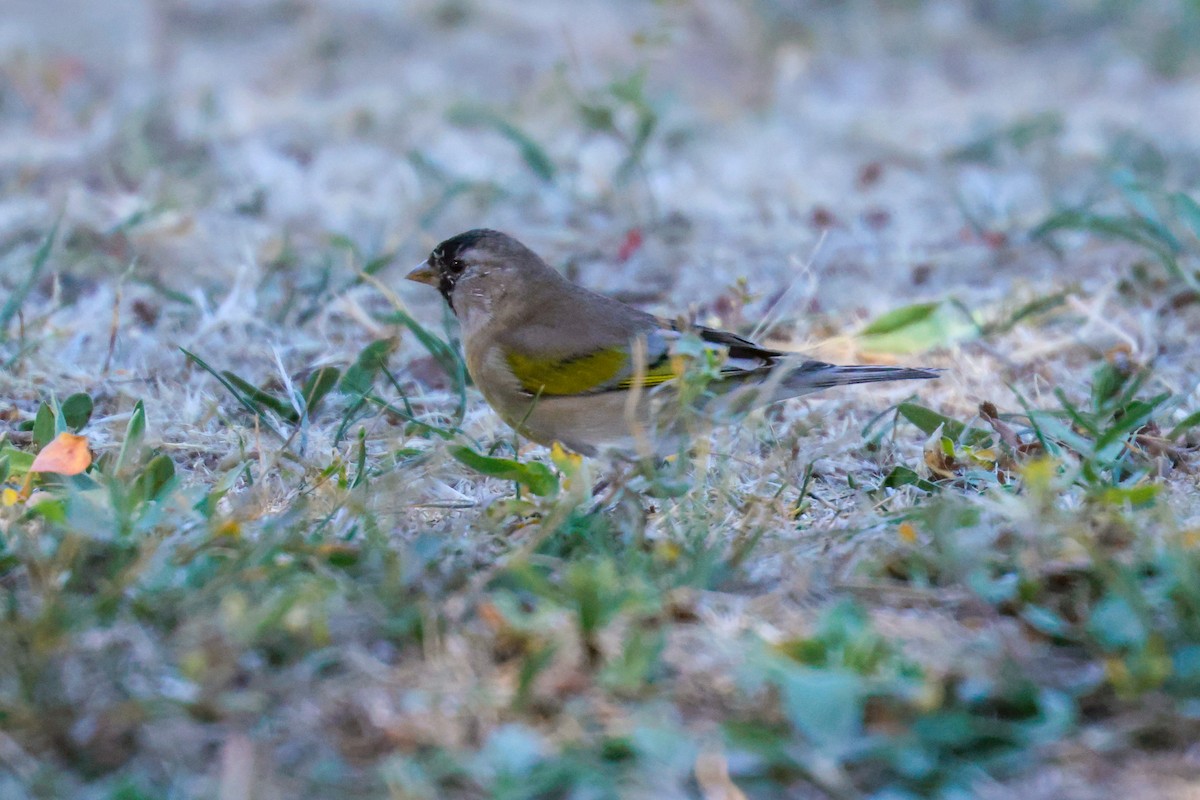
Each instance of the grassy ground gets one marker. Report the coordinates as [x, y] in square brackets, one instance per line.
[288, 571]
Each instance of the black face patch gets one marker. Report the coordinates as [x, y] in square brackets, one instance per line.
[446, 258]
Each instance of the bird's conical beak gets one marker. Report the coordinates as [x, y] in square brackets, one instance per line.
[424, 274]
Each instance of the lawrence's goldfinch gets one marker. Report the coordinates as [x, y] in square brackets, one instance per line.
[563, 364]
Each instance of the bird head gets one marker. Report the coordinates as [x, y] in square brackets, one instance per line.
[473, 270]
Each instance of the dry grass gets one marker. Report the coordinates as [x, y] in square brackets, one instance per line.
[252, 597]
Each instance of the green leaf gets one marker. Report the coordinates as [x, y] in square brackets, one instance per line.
[77, 410]
[1044, 620]
[537, 478]
[157, 474]
[631, 90]
[447, 356]
[597, 117]
[1111, 443]
[533, 664]
[1052, 430]
[360, 461]
[532, 153]
[18, 460]
[1019, 136]
[207, 505]
[360, 376]
[1116, 625]
[919, 327]
[825, 705]
[359, 379]
[903, 476]
[43, 426]
[357, 382]
[928, 421]
[646, 124]
[1187, 210]
[595, 588]
[1141, 496]
[1147, 214]
[256, 395]
[1189, 422]
[900, 318]
[1035, 307]
[443, 352]
[637, 661]
[377, 263]
[1106, 383]
[1185, 664]
[60, 422]
[1137, 230]
[134, 431]
[343, 242]
[165, 292]
[319, 384]
[237, 393]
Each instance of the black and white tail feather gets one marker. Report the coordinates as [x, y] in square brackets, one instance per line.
[814, 375]
[790, 375]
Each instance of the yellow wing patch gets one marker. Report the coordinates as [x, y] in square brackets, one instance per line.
[567, 376]
[656, 375]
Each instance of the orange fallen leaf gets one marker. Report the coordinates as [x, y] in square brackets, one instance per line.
[492, 616]
[940, 462]
[68, 454]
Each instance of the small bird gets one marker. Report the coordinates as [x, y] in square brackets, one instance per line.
[560, 363]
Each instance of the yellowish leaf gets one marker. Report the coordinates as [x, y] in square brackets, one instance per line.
[68, 454]
[9, 497]
[939, 461]
[907, 533]
[567, 462]
[668, 551]
[984, 455]
[679, 364]
[931, 696]
[1039, 473]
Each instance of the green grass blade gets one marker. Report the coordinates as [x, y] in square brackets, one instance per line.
[17, 298]
[242, 399]
[135, 430]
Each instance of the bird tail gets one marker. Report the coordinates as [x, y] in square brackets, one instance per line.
[787, 378]
[810, 376]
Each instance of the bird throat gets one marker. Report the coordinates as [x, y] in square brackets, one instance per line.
[446, 286]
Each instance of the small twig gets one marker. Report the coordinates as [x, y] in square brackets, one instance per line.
[112, 330]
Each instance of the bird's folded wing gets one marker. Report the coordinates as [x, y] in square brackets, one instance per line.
[615, 368]
[605, 370]
[556, 376]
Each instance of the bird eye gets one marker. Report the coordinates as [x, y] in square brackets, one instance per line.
[456, 265]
